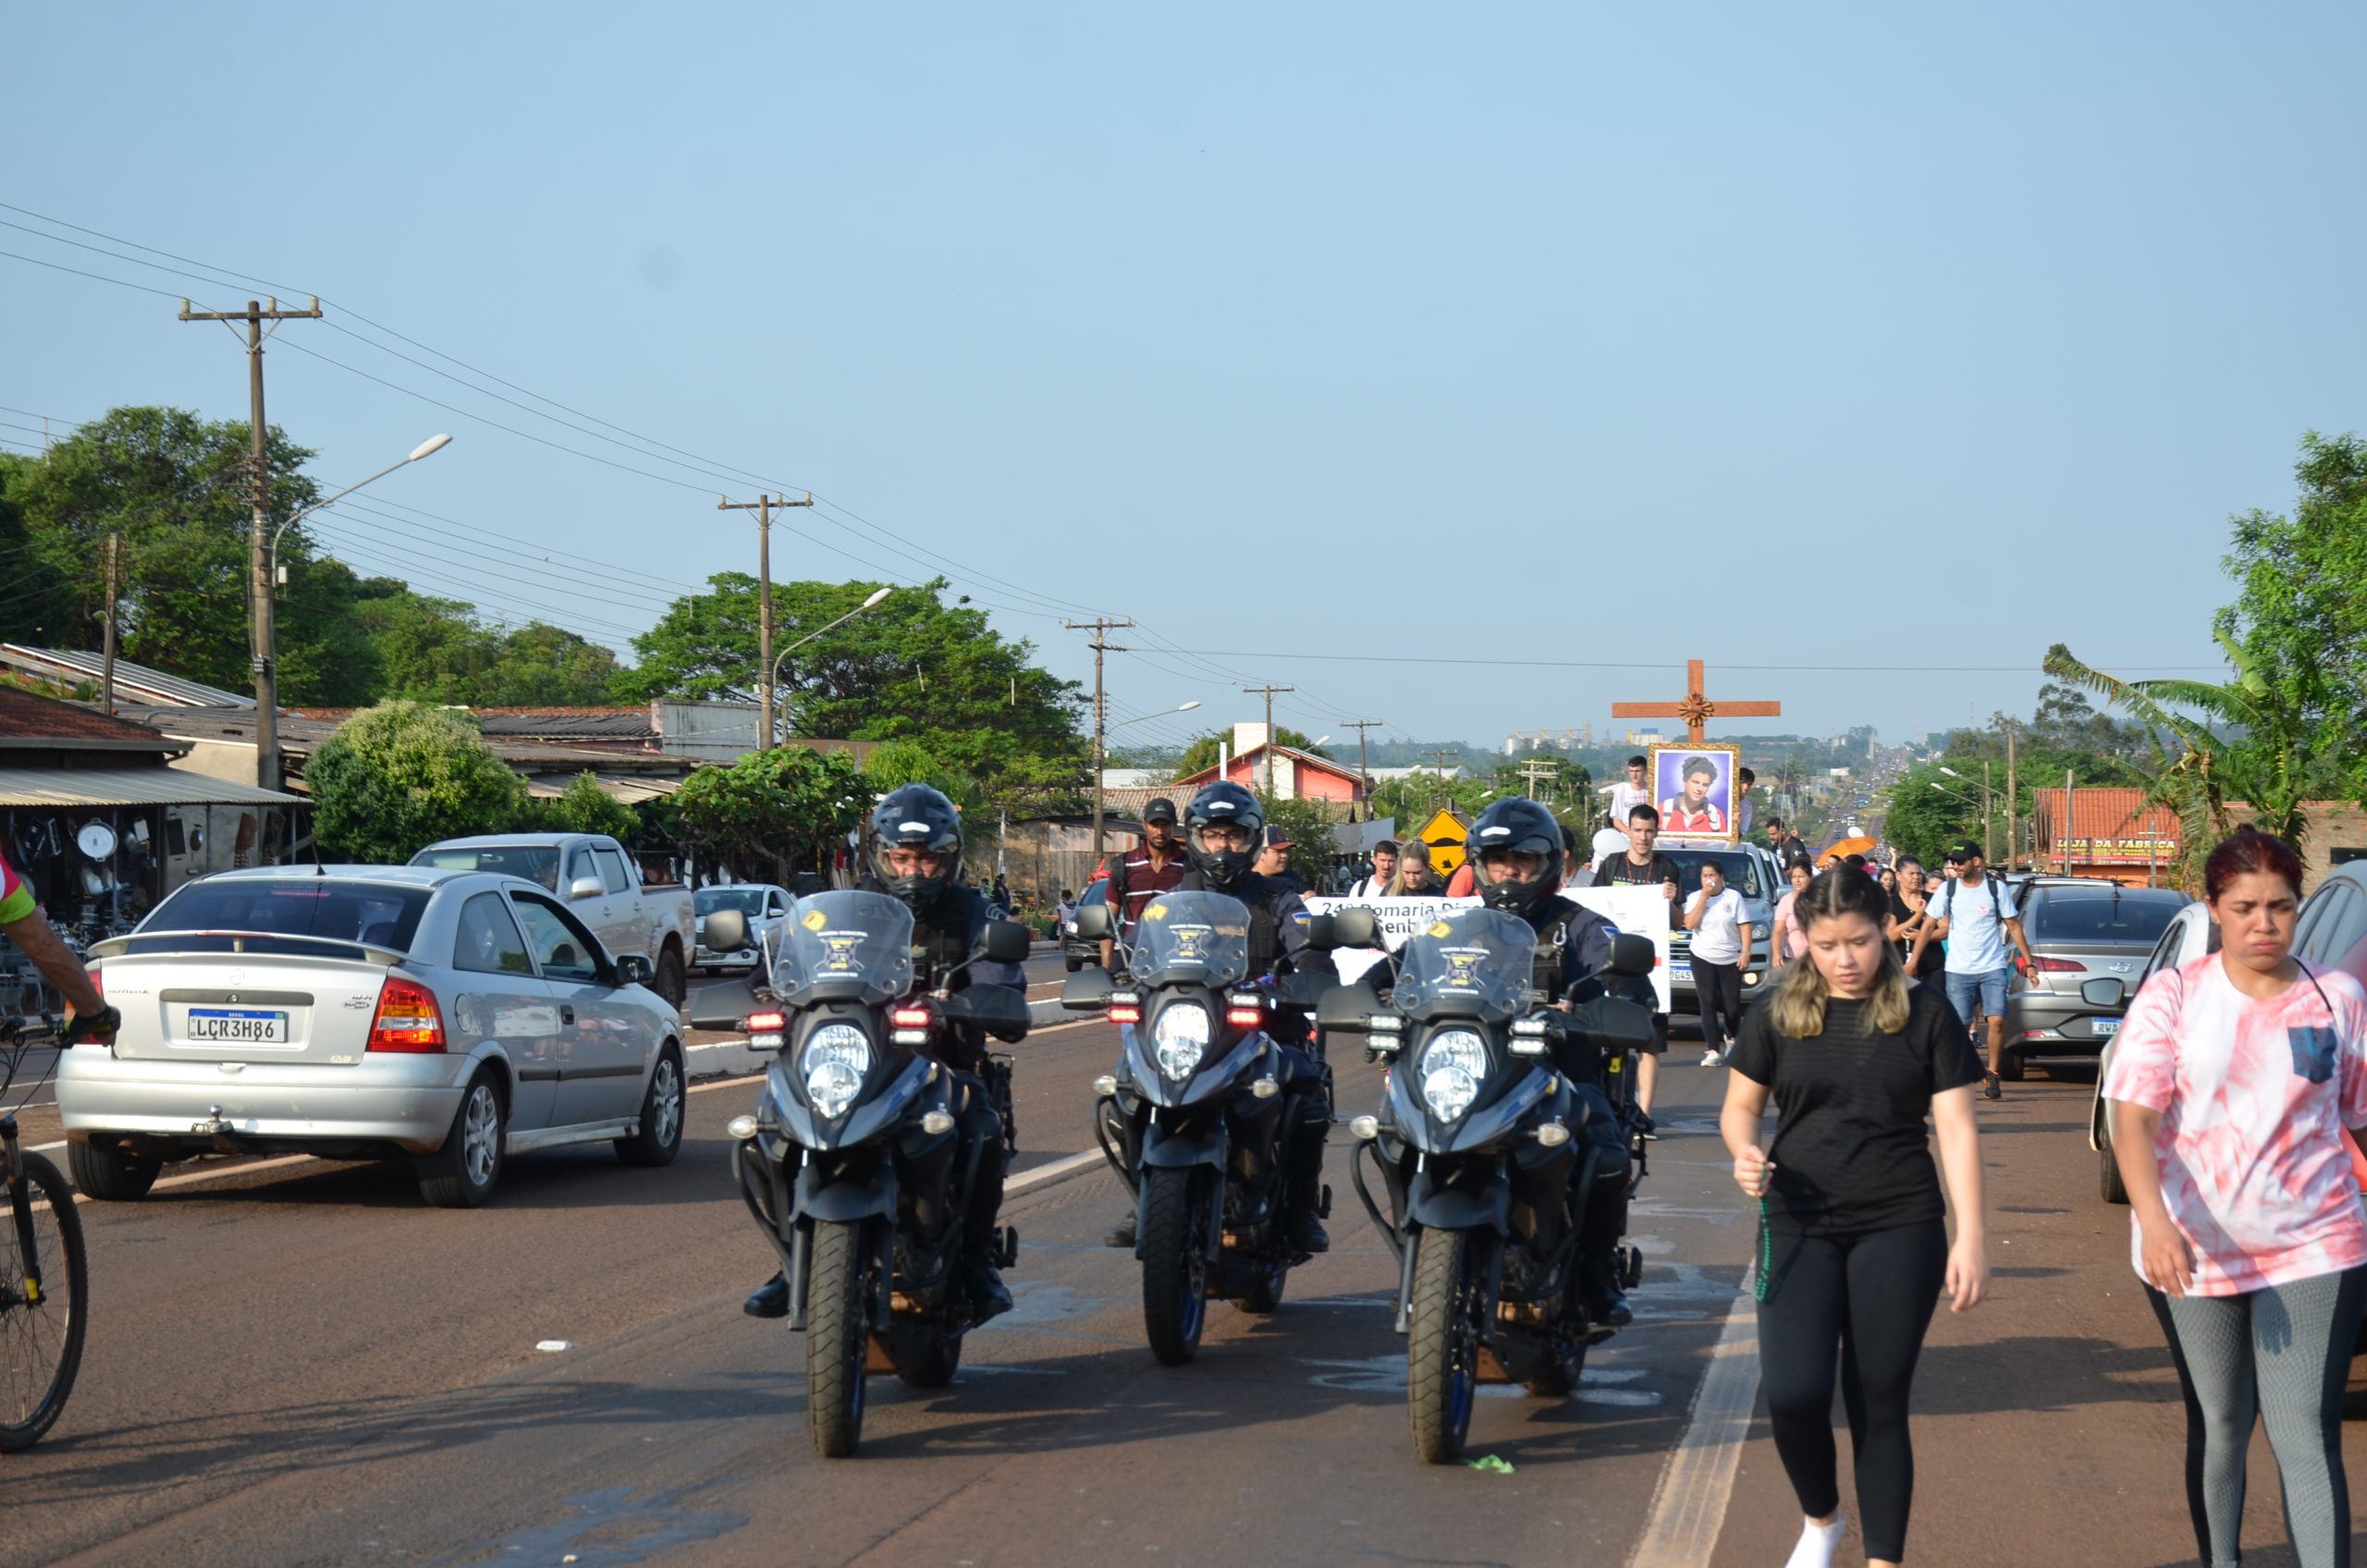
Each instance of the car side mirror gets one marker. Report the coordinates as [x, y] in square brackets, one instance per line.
[2103, 993]
[1343, 928]
[1007, 942]
[633, 969]
[586, 887]
[727, 930]
[1630, 955]
[1093, 923]
[1087, 990]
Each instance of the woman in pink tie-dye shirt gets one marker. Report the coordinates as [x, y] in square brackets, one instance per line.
[2233, 1082]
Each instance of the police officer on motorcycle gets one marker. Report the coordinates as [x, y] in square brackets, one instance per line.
[1223, 830]
[1516, 844]
[916, 857]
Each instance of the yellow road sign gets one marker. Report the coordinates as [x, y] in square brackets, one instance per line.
[1444, 834]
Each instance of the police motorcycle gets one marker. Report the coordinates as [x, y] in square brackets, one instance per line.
[849, 1163]
[1485, 1187]
[1193, 1121]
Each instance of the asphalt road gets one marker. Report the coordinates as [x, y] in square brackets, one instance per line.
[294, 1361]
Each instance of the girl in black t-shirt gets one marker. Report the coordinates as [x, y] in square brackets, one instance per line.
[1854, 1247]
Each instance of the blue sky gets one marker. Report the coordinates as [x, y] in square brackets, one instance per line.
[1839, 338]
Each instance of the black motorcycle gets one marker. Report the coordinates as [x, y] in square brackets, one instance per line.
[848, 1164]
[1193, 1120]
[1485, 1186]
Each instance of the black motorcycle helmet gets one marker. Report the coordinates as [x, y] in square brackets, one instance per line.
[1224, 803]
[1525, 827]
[916, 817]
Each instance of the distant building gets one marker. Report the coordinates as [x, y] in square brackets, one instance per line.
[1295, 775]
[1646, 737]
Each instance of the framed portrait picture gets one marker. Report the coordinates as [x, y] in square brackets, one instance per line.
[1693, 786]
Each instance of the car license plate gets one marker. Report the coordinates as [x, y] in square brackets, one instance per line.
[2104, 1025]
[240, 1025]
[1680, 972]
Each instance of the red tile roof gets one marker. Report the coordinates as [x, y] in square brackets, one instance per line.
[26, 718]
[2108, 812]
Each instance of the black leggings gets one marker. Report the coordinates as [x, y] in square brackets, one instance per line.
[1719, 988]
[1869, 1296]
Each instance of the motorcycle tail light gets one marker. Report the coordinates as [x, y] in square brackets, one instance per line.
[909, 1017]
[1244, 1017]
[1125, 1013]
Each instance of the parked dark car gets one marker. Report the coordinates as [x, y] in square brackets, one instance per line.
[2078, 933]
[1074, 949]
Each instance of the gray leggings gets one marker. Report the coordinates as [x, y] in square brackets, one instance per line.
[2283, 1352]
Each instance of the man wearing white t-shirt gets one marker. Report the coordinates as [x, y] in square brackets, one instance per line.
[1721, 928]
[1626, 797]
[1384, 866]
[1975, 915]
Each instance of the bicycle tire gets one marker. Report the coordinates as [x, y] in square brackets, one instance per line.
[35, 1379]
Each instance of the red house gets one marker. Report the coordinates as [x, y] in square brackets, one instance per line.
[1296, 774]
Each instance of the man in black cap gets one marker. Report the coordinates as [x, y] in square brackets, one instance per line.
[1274, 862]
[1143, 872]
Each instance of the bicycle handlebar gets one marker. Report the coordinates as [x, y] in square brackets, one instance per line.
[64, 1031]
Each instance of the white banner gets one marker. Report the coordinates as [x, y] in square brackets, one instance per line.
[1642, 911]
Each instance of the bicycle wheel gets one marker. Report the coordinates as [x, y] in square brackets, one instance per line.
[41, 1340]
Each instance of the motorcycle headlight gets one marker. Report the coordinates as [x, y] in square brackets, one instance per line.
[1180, 1038]
[1452, 1065]
[837, 1056]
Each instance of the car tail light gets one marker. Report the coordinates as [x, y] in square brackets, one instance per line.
[909, 1017]
[1244, 1017]
[2045, 965]
[407, 1020]
[1125, 1013]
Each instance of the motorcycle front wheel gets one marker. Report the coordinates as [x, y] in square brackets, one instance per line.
[1443, 1344]
[838, 1339]
[1176, 1282]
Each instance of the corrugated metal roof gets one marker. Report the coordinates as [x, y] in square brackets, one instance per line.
[28, 719]
[133, 681]
[127, 787]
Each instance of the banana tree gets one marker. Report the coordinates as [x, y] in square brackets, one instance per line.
[2258, 740]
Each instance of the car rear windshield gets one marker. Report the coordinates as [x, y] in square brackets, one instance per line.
[294, 906]
[534, 863]
[747, 900]
[1742, 870]
[2138, 922]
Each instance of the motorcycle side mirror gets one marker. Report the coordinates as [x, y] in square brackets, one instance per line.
[1087, 991]
[1630, 955]
[1002, 1010]
[1093, 923]
[1343, 928]
[1344, 1009]
[727, 930]
[1300, 988]
[1007, 942]
[721, 1023]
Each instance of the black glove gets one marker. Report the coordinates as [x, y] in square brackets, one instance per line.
[106, 1021]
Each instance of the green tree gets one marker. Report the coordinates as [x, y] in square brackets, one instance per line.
[1412, 799]
[173, 487]
[585, 807]
[915, 667]
[893, 763]
[1202, 754]
[398, 777]
[787, 808]
[1927, 811]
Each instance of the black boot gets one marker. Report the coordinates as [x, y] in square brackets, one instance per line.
[1121, 1234]
[989, 1297]
[769, 1299]
[1305, 1222]
[1606, 1219]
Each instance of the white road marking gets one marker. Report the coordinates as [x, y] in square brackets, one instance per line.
[1690, 1507]
[1043, 1175]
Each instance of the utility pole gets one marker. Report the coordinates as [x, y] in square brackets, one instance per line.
[1364, 773]
[2012, 798]
[1536, 768]
[1100, 626]
[762, 506]
[1988, 816]
[1441, 754]
[106, 676]
[262, 631]
[1270, 742]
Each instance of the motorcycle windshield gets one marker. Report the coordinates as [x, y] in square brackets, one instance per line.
[1467, 963]
[1197, 937]
[844, 946]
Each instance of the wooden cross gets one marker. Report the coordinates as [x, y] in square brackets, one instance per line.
[1697, 710]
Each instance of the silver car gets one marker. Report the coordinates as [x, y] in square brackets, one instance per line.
[2192, 934]
[762, 906]
[359, 1012]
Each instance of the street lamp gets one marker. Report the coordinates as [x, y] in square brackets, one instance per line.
[871, 603]
[267, 620]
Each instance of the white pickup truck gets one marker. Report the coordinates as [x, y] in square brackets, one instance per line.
[596, 876]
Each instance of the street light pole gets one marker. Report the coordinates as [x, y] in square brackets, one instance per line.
[868, 604]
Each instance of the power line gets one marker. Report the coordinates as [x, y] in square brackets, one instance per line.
[96, 277]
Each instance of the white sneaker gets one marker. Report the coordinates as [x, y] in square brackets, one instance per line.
[1711, 1059]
